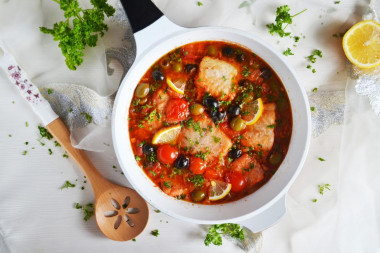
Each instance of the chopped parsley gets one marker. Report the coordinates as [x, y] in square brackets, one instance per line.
[323, 187]
[67, 185]
[182, 196]
[282, 17]
[26, 143]
[50, 151]
[155, 232]
[215, 231]
[216, 139]
[296, 38]
[321, 159]
[49, 91]
[26, 123]
[57, 144]
[337, 2]
[88, 210]
[65, 155]
[224, 78]
[315, 200]
[312, 58]
[25, 152]
[153, 173]
[315, 90]
[167, 184]
[9, 135]
[287, 52]
[138, 158]
[134, 239]
[202, 155]
[312, 108]
[245, 72]
[45, 133]
[271, 126]
[87, 116]
[157, 211]
[197, 180]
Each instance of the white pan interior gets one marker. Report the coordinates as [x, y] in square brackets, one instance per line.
[250, 205]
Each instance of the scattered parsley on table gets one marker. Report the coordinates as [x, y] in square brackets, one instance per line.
[88, 210]
[215, 231]
[323, 187]
[67, 185]
[155, 233]
[321, 159]
[199, 3]
[287, 52]
[282, 17]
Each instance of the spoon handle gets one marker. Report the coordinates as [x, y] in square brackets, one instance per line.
[60, 132]
[27, 89]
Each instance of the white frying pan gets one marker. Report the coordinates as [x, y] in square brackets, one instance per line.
[256, 211]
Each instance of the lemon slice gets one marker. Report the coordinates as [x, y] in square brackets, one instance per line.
[218, 190]
[251, 111]
[361, 44]
[178, 85]
[167, 135]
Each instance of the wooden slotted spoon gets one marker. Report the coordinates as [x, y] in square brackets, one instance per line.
[121, 214]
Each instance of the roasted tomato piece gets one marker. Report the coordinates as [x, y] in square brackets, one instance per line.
[177, 109]
[197, 165]
[212, 174]
[237, 181]
[167, 154]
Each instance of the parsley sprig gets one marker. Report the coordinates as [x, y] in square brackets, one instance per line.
[282, 17]
[215, 232]
[80, 29]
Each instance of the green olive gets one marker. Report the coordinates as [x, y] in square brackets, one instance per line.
[177, 67]
[275, 158]
[142, 90]
[165, 63]
[238, 124]
[196, 109]
[198, 195]
[212, 51]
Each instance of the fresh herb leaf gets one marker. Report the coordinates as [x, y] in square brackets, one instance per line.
[216, 139]
[25, 152]
[157, 211]
[287, 52]
[323, 187]
[88, 116]
[312, 57]
[80, 28]
[315, 200]
[312, 108]
[245, 72]
[155, 232]
[202, 155]
[315, 89]
[137, 158]
[88, 210]
[167, 184]
[67, 185]
[50, 91]
[271, 126]
[215, 231]
[45, 133]
[50, 151]
[197, 180]
[337, 2]
[321, 159]
[282, 17]
[296, 38]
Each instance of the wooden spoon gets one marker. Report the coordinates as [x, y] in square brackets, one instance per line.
[121, 214]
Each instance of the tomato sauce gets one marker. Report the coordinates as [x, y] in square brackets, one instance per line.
[207, 96]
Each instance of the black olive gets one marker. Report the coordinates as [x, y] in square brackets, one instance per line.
[191, 68]
[235, 153]
[217, 116]
[266, 73]
[240, 57]
[227, 51]
[211, 103]
[147, 148]
[157, 75]
[182, 162]
[244, 82]
[234, 110]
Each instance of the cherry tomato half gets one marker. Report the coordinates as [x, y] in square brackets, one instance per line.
[197, 165]
[167, 154]
[177, 109]
[237, 181]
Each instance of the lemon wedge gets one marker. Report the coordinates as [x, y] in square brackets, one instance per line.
[251, 111]
[177, 85]
[361, 44]
[218, 190]
[167, 135]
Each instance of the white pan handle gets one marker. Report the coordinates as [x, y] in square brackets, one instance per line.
[154, 32]
[267, 218]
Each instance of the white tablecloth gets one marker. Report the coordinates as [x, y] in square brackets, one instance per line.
[36, 216]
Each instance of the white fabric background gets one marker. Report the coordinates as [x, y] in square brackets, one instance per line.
[35, 216]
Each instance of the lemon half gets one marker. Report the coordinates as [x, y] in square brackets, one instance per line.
[361, 44]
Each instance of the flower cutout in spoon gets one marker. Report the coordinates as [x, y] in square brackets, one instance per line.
[127, 218]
